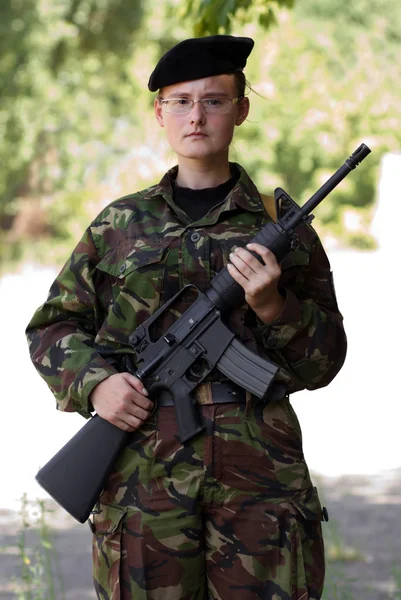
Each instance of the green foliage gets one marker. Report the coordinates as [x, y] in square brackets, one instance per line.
[76, 118]
[65, 75]
[396, 571]
[40, 577]
[348, 19]
[319, 104]
[336, 548]
[338, 585]
[220, 16]
[103, 27]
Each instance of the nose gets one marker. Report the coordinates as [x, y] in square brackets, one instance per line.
[197, 114]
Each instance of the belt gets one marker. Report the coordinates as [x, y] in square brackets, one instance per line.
[214, 392]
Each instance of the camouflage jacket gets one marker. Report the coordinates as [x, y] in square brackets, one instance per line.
[139, 252]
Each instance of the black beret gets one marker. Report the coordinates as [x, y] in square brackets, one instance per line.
[201, 57]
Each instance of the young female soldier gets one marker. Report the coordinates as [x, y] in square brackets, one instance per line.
[232, 513]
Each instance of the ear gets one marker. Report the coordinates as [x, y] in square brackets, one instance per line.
[159, 112]
[243, 110]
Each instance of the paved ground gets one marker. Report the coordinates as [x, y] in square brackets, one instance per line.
[351, 427]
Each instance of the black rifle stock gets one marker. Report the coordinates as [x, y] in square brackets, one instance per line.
[178, 361]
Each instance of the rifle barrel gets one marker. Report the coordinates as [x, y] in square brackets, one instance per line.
[351, 163]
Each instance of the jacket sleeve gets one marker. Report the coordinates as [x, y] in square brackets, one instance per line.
[62, 333]
[307, 340]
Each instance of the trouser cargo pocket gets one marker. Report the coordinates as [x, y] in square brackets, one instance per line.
[107, 525]
[307, 547]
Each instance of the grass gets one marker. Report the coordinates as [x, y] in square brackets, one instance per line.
[40, 577]
[396, 572]
[336, 548]
[338, 584]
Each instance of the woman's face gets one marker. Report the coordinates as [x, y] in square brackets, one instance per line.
[199, 135]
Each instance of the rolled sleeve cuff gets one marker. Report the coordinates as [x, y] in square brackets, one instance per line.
[84, 386]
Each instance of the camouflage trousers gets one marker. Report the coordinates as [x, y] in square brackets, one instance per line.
[232, 514]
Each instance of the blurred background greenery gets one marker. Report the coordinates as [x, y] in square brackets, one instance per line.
[77, 124]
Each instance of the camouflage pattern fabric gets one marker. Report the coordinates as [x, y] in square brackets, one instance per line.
[233, 514]
[136, 255]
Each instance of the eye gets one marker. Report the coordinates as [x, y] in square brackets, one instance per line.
[212, 102]
[180, 102]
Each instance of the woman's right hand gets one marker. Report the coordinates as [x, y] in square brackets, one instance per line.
[122, 400]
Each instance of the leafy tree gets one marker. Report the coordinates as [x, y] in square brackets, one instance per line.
[218, 16]
[66, 72]
[76, 119]
[66, 79]
[328, 84]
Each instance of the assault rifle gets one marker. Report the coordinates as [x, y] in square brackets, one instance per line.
[179, 360]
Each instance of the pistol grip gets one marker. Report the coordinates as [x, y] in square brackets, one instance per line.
[186, 411]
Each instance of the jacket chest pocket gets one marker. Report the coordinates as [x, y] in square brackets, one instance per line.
[136, 272]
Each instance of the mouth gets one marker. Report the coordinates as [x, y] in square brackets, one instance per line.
[197, 134]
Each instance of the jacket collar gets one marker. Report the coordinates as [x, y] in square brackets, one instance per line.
[243, 195]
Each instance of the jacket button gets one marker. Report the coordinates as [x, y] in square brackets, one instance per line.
[195, 237]
[271, 342]
[325, 514]
[122, 268]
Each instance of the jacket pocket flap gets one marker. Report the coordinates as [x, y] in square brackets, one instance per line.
[131, 256]
[107, 519]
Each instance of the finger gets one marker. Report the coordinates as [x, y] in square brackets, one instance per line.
[237, 276]
[136, 383]
[258, 248]
[248, 256]
[269, 263]
[127, 423]
[267, 255]
[252, 281]
[129, 402]
[142, 402]
[132, 414]
[137, 412]
[133, 393]
[245, 263]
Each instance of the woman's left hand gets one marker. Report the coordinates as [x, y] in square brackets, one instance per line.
[259, 280]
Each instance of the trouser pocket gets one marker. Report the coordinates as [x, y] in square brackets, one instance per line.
[107, 525]
[307, 546]
[266, 548]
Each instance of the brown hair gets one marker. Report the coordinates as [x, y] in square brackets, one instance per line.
[240, 83]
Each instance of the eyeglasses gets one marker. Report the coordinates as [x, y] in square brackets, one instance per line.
[183, 106]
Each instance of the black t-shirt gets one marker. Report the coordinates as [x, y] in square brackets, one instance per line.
[196, 203]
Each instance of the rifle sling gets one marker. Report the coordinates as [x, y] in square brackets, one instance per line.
[270, 206]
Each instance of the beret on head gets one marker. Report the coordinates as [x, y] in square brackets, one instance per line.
[196, 58]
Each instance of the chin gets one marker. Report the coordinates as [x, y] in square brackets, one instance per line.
[199, 152]
[198, 155]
